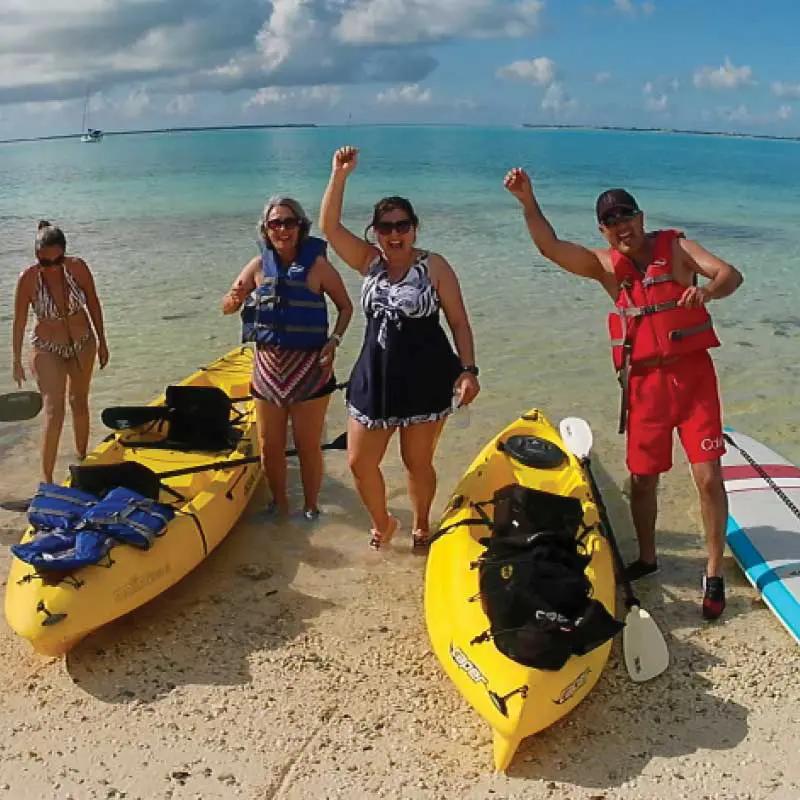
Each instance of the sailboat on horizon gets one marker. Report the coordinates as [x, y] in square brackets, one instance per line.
[89, 134]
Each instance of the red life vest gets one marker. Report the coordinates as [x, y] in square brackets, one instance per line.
[648, 323]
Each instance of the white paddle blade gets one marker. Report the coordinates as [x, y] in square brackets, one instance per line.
[577, 436]
[643, 646]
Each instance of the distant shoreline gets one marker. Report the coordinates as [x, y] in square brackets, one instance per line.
[634, 129]
[528, 125]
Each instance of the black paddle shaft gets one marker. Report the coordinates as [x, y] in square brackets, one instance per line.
[630, 598]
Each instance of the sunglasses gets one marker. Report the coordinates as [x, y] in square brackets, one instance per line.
[401, 226]
[51, 262]
[289, 223]
[609, 220]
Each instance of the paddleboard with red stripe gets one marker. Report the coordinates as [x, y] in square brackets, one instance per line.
[764, 523]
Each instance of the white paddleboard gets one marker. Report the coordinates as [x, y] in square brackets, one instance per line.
[764, 523]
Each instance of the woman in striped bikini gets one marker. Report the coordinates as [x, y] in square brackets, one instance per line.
[282, 296]
[67, 336]
[407, 375]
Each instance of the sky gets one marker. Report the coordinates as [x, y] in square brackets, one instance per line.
[701, 64]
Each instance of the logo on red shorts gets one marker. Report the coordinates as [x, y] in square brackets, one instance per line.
[708, 444]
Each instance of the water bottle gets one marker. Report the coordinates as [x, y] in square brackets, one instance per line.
[460, 417]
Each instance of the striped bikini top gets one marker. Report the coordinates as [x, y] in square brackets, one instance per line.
[44, 306]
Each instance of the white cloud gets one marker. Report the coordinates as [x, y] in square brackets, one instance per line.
[180, 104]
[556, 100]
[785, 111]
[726, 76]
[406, 21]
[656, 94]
[540, 71]
[410, 94]
[791, 90]
[304, 97]
[657, 103]
[181, 47]
[630, 9]
[135, 103]
[602, 77]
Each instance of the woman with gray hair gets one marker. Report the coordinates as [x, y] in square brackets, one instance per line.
[281, 294]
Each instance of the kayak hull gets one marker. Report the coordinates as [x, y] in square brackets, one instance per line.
[515, 700]
[55, 616]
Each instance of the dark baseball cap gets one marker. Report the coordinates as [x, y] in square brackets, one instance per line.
[616, 201]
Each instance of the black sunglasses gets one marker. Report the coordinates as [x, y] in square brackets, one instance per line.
[289, 223]
[615, 217]
[400, 225]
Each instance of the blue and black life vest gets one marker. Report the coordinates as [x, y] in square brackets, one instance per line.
[283, 310]
[75, 529]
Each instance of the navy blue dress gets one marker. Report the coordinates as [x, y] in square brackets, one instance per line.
[407, 368]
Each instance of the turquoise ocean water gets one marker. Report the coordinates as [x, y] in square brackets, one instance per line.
[165, 221]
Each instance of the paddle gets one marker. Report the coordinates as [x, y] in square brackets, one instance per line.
[143, 473]
[17, 406]
[643, 645]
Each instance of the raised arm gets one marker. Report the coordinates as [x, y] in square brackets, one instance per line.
[354, 251]
[22, 300]
[574, 258]
[724, 279]
[244, 284]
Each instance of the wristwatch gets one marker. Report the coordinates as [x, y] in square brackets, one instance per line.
[471, 368]
[336, 338]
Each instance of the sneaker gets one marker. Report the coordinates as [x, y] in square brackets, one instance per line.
[713, 597]
[640, 569]
[310, 514]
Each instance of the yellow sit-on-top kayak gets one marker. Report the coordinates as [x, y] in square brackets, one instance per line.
[54, 610]
[462, 582]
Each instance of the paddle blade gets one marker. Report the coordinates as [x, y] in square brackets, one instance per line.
[643, 646]
[17, 506]
[121, 418]
[18, 406]
[577, 436]
[339, 443]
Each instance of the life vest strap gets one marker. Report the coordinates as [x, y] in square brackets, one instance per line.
[646, 311]
[684, 332]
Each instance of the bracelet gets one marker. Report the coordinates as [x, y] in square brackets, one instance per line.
[336, 338]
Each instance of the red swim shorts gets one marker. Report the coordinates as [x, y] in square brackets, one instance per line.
[682, 394]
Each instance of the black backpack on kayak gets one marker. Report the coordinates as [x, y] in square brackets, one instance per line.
[533, 584]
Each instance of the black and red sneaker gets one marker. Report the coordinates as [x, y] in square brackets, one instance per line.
[713, 597]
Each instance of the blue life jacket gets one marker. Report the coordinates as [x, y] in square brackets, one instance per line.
[283, 310]
[63, 551]
[128, 517]
[56, 506]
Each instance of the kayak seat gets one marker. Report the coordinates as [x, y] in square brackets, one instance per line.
[198, 419]
[531, 451]
[99, 479]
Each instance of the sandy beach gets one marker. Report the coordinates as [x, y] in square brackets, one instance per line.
[294, 663]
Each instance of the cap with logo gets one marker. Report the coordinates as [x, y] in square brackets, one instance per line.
[615, 201]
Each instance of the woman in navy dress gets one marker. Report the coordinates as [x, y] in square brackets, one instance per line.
[407, 373]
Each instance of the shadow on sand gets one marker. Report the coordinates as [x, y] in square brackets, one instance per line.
[612, 736]
[238, 602]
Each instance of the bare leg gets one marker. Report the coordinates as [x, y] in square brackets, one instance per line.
[714, 511]
[366, 449]
[272, 422]
[51, 376]
[417, 446]
[644, 508]
[308, 420]
[80, 378]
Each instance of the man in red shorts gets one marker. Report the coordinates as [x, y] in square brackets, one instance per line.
[660, 337]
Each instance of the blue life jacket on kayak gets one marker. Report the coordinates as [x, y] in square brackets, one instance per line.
[128, 517]
[75, 529]
[283, 310]
[63, 551]
[55, 507]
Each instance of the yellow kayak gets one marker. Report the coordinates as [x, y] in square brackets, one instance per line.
[55, 612]
[516, 700]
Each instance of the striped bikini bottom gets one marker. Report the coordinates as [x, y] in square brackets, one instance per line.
[283, 377]
[65, 350]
